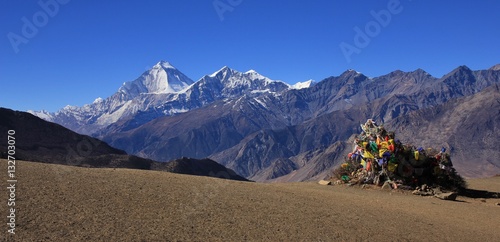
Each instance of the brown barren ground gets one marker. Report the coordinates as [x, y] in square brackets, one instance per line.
[63, 203]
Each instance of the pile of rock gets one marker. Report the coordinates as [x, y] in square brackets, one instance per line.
[378, 158]
[425, 190]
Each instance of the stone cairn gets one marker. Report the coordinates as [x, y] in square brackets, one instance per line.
[380, 159]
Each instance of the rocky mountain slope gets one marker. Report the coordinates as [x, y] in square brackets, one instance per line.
[469, 127]
[268, 136]
[266, 129]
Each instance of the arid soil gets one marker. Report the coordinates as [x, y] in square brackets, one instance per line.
[63, 203]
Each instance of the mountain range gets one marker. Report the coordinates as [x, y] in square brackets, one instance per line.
[161, 91]
[268, 130]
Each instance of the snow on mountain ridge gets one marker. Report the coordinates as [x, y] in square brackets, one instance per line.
[98, 100]
[162, 78]
[43, 114]
[302, 85]
[232, 78]
[162, 90]
[165, 65]
[221, 70]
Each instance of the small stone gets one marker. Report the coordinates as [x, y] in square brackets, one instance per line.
[386, 186]
[422, 193]
[447, 196]
[326, 183]
[437, 190]
[424, 187]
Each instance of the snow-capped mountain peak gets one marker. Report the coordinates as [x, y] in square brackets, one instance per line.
[222, 71]
[250, 79]
[302, 85]
[233, 77]
[251, 72]
[162, 78]
[353, 71]
[98, 100]
[255, 75]
[70, 108]
[164, 65]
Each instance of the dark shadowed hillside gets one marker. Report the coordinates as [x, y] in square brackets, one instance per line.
[42, 141]
[39, 140]
[203, 167]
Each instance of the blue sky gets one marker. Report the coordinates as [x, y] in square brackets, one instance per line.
[81, 50]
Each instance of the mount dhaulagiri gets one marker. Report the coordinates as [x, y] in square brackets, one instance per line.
[161, 91]
[271, 131]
